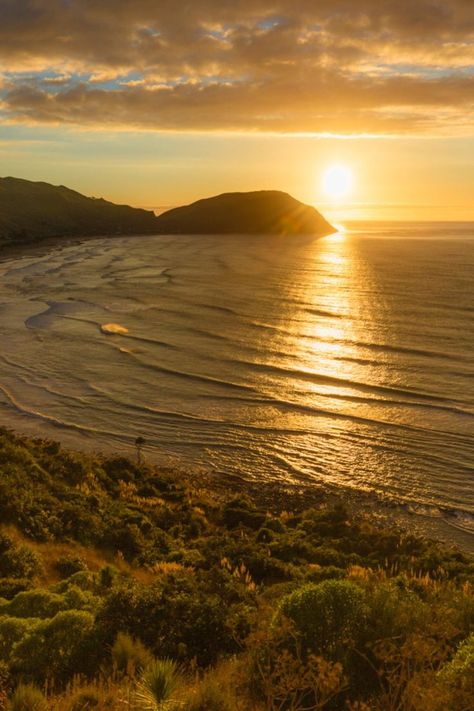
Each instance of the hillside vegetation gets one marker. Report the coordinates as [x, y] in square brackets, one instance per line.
[128, 586]
[259, 212]
[30, 212]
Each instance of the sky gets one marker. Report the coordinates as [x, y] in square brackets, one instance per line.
[158, 103]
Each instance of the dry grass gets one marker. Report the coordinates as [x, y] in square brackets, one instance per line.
[95, 559]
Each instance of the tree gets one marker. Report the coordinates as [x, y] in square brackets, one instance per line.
[139, 444]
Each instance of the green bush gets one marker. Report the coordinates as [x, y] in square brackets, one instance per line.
[17, 561]
[459, 672]
[12, 630]
[55, 648]
[10, 587]
[35, 603]
[240, 512]
[77, 599]
[328, 572]
[275, 525]
[175, 617]
[393, 612]
[327, 616]
[83, 580]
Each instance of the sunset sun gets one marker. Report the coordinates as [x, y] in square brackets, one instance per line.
[337, 181]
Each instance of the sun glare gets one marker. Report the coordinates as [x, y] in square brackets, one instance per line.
[337, 181]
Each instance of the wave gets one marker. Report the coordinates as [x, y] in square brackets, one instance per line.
[219, 309]
[188, 375]
[314, 377]
[55, 421]
[461, 519]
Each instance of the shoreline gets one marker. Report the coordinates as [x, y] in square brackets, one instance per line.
[387, 513]
[277, 496]
[29, 248]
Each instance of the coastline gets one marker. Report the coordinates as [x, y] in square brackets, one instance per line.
[276, 496]
[33, 247]
[385, 512]
[439, 525]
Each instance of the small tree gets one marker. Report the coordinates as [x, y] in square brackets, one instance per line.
[139, 444]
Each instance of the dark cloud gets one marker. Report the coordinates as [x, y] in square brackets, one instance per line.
[327, 66]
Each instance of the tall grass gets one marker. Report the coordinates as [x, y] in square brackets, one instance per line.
[27, 698]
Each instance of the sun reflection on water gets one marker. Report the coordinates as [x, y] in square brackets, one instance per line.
[329, 345]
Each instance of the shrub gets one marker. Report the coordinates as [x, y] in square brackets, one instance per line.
[107, 576]
[318, 573]
[209, 695]
[327, 616]
[83, 580]
[129, 654]
[393, 612]
[326, 522]
[275, 525]
[85, 700]
[5, 681]
[54, 648]
[9, 587]
[67, 565]
[158, 684]
[12, 630]
[239, 512]
[459, 672]
[175, 617]
[28, 698]
[17, 561]
[284, 680]
[35, 603]
[77, 599]
[324, 555]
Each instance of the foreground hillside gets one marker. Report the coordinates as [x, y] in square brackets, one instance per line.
[30, 212]
[128, 586]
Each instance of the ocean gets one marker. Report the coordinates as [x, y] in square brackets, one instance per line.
[345, 362]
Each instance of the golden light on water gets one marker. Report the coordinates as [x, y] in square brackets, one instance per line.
[337, 181]
[339, 235]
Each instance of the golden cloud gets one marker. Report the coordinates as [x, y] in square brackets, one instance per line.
[329, 66]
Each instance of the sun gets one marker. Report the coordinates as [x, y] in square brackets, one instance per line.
[337, 181]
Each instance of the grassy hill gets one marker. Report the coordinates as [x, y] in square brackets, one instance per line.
[32, 211]
[124, 585]
[260, 212]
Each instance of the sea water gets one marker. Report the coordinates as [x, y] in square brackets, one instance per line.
[345, 361]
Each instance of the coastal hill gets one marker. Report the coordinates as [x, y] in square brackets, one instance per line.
[33, 211]
[260, 212]
[30, 212]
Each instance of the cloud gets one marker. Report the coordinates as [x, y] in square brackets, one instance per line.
[371, 66]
